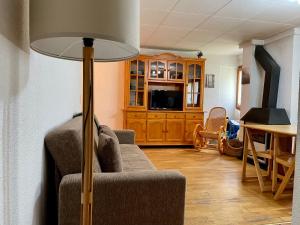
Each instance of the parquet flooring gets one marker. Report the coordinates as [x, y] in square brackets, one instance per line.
[215, 194]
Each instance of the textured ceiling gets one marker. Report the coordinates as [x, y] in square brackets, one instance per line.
[213, 26]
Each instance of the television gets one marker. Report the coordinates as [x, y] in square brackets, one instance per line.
[165, 100]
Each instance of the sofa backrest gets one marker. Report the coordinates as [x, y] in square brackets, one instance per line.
[64, 143]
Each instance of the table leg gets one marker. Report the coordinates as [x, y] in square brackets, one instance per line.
[245, 155]
[256, 163]
[275, 165]
[270, 161]
[285, 181]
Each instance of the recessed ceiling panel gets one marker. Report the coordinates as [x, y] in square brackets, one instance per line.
[165, 33]
[219, 48]
[261, 28]
[281, 13]
[158, 4]
[211, 24]
[243, 9]
[200, 6]
[152, 17]
[185, 20]
[191, 45]
[234, 37]
[220, 23]
[202, 36]
[146, 32]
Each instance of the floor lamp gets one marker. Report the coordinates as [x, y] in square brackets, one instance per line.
[86, 30]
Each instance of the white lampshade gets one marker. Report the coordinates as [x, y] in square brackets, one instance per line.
[58, 26]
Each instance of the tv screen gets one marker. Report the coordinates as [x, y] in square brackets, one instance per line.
[165, 100]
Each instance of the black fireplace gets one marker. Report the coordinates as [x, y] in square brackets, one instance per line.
[268, 113]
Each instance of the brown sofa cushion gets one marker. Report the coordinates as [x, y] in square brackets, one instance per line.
[65, 146]
[134, 159]
[106, 130]
[109, 154]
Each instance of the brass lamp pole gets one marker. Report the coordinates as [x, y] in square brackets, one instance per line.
[87, 133]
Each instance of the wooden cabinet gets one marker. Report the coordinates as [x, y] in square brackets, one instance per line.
[165, 127]
[189, 129]
[137, 121]
[136, 83]
[158, 69]
[156, 127]
[155, 130]
[194, 85]
[191, 120]
[139, 126]
[170, 72]
[176, 70]
[175, 130]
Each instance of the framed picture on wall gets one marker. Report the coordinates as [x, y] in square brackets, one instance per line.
[209, 80]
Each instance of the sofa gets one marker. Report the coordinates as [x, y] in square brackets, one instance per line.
[135, 194]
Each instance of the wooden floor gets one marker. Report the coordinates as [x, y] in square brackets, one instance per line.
[215, 194]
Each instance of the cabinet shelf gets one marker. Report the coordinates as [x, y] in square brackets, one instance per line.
[166, 81]
[137, 75]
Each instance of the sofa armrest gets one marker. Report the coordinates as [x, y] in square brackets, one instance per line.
[135, 198]
[125, 136]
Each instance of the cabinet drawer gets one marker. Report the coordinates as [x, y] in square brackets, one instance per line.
[175, 115]
[194, 116]
[136, 115]
[156, 116]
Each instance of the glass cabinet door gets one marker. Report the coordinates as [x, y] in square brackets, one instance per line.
[157, 70]
[175, 70]
[194, 83]
[137, 83]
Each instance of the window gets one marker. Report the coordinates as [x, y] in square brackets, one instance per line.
[239, 88]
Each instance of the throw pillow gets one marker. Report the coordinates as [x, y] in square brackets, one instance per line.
[106, 130]
[109, 154]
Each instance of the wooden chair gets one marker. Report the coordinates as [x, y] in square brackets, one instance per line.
[284, 157]
[215, 127]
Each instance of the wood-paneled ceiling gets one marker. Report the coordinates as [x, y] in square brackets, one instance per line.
[213, 26]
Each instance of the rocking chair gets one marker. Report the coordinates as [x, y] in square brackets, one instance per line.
[215, 127]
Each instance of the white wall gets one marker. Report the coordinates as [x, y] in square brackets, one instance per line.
[224, 93]
[251, 93]
[109, 93]
[36, 94]
[283, 51]
[295, 96]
